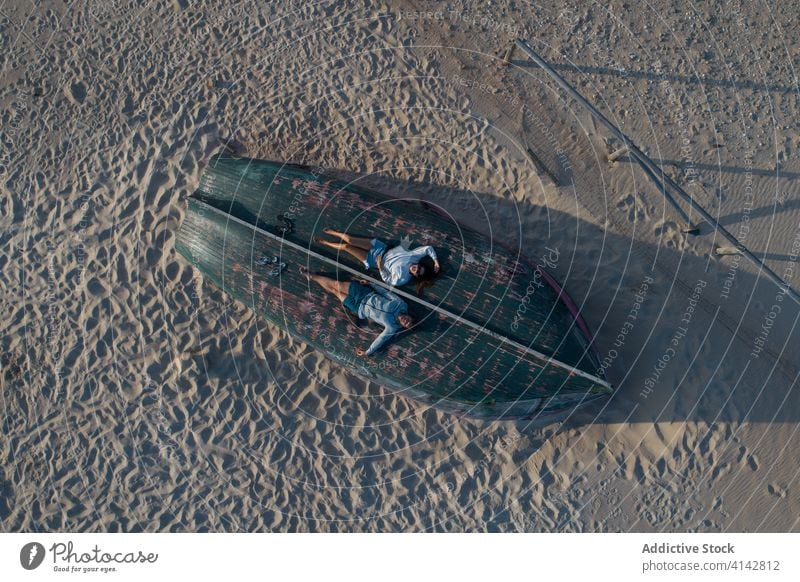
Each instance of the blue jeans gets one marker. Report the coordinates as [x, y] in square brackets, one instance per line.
[356, 293]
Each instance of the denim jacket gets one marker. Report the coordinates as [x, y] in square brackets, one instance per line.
[382, 306]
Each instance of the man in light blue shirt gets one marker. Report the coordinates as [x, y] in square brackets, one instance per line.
[367, 301]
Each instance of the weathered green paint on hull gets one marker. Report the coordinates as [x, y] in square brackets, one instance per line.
[442, 361]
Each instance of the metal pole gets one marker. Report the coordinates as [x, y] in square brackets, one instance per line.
[651, 169]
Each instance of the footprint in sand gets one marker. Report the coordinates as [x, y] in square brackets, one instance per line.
[76, 93]
[12, 365]
[634, 207]
[670, 234]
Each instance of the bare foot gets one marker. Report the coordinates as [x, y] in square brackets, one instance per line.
[305, 272]
[327, 243]
[333, 232]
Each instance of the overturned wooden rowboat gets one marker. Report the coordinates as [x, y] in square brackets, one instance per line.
[495, 336]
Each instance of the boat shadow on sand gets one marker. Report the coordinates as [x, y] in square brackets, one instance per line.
[675, 341]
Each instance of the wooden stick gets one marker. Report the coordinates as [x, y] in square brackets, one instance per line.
[724, 251]
[507, 56]
[617, 154]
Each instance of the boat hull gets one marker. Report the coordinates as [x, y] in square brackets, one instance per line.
[495, 337]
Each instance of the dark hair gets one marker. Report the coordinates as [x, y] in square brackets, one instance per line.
[426, 280]
[408, 315]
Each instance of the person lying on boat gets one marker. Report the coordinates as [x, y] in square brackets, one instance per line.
[367, 301]
[397, 265]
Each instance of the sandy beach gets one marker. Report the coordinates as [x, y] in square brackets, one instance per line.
[138, 397]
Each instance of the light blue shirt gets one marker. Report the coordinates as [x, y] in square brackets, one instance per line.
[383, 307]
[395, 263]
